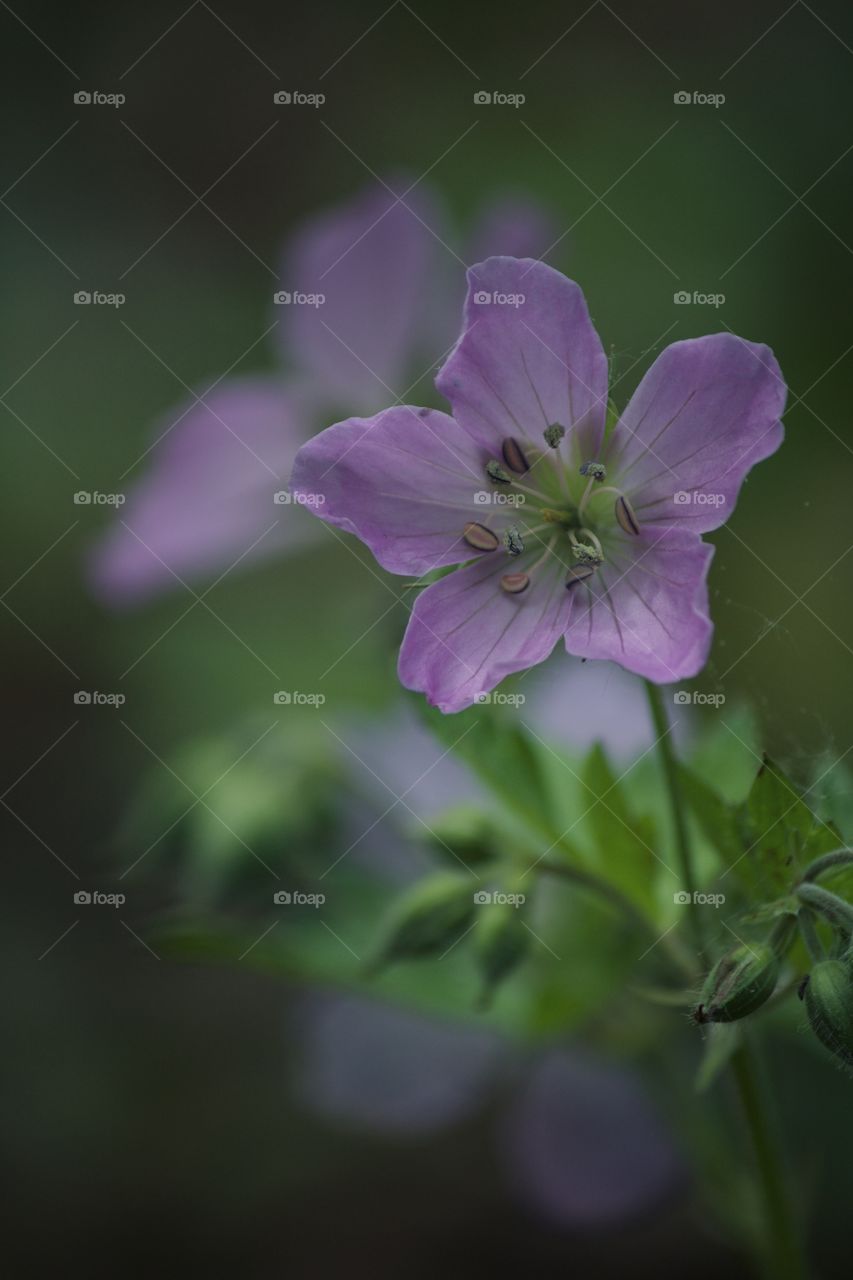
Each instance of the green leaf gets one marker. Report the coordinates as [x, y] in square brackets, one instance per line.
[622, 847]
[780, 835]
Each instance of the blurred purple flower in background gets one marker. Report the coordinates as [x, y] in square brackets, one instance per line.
[579, 1140]
[562, 534]
[391, 306]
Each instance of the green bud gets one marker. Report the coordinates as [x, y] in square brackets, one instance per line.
[739, 983]
[501, 942]
[428, 920]
[463, 836]
[828, 996]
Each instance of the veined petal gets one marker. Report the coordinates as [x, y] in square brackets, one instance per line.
[372, 261]
[647, 606]
[466, 633]
[703, 415]
[405, 481]
[528, 357]
[206, 493]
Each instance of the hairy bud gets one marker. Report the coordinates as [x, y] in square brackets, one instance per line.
[828, 997]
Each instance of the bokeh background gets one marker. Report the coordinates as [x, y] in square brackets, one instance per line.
[149, 1107]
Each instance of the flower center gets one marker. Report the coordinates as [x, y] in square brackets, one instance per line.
[569, 510]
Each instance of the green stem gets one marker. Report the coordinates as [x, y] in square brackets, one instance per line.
[663, 729]
[783, 1246]
[838, 858]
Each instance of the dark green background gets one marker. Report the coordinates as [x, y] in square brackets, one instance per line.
[148, 1104]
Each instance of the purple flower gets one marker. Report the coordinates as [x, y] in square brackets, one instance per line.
[389, 311]
[564, 530]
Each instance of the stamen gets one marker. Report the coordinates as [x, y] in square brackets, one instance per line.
[554, 434]
[595, 470]
[515, 583]
[551, 515]
[479, 537]
[495, 472]
[579, 573]
[512, 541]
[586, 554]
[625, 516]
[514, 456]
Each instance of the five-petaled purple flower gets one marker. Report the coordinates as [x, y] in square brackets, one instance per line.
[564, 529]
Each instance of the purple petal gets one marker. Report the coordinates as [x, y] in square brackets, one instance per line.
[647, 606]
[373, 261]
[404, 482]
[206, 495]
[391, 1071]
[585, 1147]
[706, 411]
[466, 633]
[528, 357]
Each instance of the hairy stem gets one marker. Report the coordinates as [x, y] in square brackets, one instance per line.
[663, 729]
[783, 1246]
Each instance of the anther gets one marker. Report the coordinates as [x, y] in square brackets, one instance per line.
[586, 554]
[595, 470]
[514, 456]
[479, 537]
[512, 541]
[579, 573]
[495, 472]
[554, 434]
[625, 516]
[515, 583]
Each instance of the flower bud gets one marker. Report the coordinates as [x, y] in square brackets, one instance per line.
[828, 996]
[739, 983]
[428, 920]
[501, 942]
